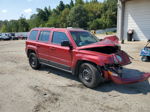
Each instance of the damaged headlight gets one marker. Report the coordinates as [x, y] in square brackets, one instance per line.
[117, 59]
[116, 71]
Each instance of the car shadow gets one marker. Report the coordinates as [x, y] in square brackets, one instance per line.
[136, 88]
[58, 72]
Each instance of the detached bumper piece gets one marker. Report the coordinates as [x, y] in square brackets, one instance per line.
[118, 80]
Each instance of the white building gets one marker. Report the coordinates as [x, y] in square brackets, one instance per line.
[134, 14]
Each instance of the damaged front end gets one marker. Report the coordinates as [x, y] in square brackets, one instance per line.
[117, 78]
[114, 71]
[112, 59]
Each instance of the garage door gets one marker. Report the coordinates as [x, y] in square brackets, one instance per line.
[137, 17]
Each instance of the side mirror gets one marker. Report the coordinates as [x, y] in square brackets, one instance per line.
[66, 44]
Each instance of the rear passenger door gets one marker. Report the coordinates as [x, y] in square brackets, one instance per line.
[43, 45]
[62, 56]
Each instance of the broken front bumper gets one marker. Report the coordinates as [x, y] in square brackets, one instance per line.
[118, 80]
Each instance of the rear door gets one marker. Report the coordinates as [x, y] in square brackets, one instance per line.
[43, 45]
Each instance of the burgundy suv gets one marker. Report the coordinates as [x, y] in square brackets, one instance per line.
[80, 53]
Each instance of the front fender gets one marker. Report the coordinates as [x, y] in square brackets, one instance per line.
[89, 58]
[98, 59]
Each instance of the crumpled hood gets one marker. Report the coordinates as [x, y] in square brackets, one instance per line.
[103, 43]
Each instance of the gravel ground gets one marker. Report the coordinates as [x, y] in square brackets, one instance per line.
[23, 89]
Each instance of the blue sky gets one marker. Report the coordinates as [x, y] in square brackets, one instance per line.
[13, 9]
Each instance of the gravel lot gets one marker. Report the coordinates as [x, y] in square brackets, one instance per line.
[50, 90]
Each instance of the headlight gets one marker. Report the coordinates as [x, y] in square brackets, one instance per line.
[117, 59]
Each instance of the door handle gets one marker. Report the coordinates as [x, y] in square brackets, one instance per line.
[38, 45]
[52, 48]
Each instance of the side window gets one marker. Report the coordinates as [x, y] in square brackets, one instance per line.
[33, 35]
[44, 36]
[58, 37]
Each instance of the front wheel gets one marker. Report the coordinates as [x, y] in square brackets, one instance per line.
[33, 60]
[89, 75]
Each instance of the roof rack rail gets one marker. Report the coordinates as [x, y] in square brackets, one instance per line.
[44, 27]
[74, 28]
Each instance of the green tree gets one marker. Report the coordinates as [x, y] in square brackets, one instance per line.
[71, 3]
[94, 25]
[77, 17]
[44, 14]
[95, 1]
[3, 29]
[7, 25]
[1, 24]
[55, 12]
[90, 14]
[93, 10]
[61, 6]
[23, 25]
[67, 6]
[109, 13]
[13, 26]
[79, 2]
[53, 21]
[63, 18]
[34, 21]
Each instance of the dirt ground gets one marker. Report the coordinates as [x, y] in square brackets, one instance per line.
[23, 89]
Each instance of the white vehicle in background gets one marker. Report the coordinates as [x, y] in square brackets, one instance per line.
[14, 36]
[21, 35]
[5, 36]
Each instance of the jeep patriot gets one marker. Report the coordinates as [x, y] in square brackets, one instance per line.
[80, 53]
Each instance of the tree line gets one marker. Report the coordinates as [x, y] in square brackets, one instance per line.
[89, 15]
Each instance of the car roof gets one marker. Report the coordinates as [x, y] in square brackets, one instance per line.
[59, 29]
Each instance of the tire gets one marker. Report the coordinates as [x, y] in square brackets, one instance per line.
[33, 61]
[90, 76]
[144, 58]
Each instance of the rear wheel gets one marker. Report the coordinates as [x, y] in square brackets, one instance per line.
[34, 62]
[89, 75]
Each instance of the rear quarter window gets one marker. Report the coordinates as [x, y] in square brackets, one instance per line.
[33, 35]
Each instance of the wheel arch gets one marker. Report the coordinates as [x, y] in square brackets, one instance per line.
[30, 51]
[79, 62]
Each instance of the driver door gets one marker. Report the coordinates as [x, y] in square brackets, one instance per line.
[60, 56]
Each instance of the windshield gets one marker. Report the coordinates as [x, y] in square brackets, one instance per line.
[83, 38]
